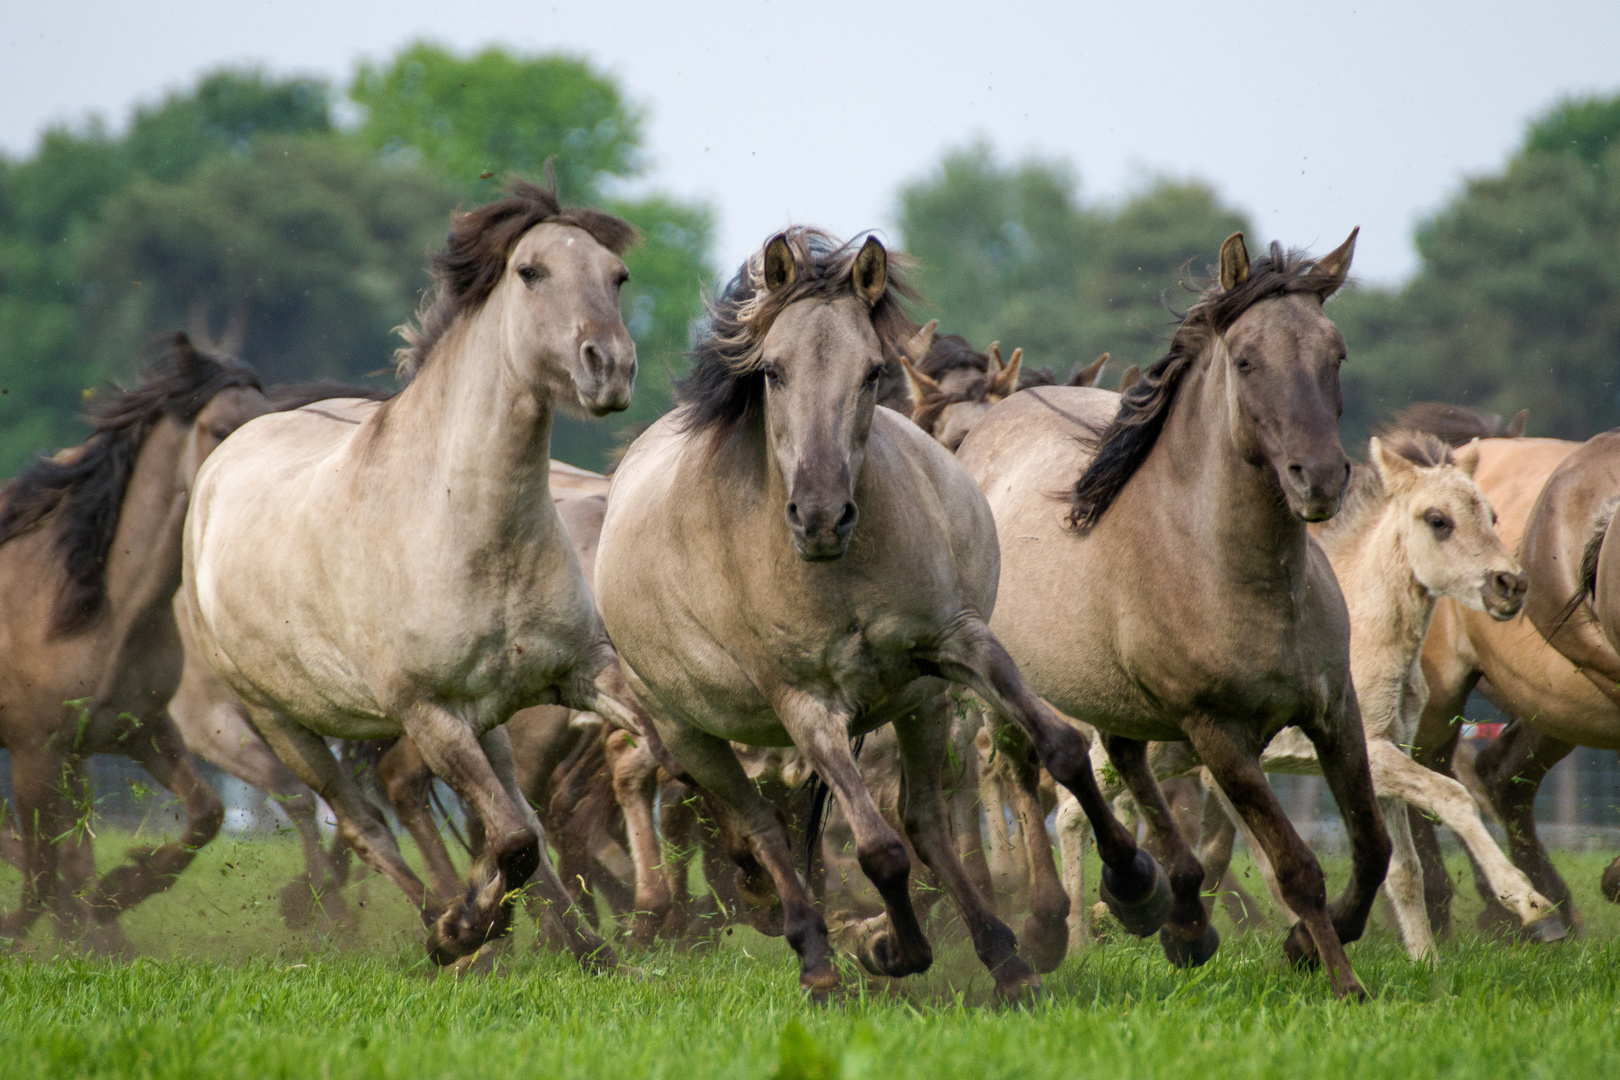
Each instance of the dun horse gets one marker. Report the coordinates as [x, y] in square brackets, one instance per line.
[368, 570]
[784, 562]
[89, 563]
[1180, 597]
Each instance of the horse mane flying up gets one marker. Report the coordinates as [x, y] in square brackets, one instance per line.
[725, 389]
[469, 266]
[1366, 495]
[1129, 437]
[83, 488]
[1456, 424]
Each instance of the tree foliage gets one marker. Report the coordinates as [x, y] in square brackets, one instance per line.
[1010, 253]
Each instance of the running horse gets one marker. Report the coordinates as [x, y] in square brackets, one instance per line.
[785, 562]
[1177, 595]
[366, 570]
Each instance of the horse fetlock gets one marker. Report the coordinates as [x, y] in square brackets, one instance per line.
[518, 857]
[1186, 950]
[1139, 896]
[1300, 947]
[886, 864]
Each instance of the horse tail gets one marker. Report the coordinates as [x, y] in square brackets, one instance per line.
[1591, 551]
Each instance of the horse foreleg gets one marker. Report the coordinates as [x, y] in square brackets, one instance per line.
[1001, 864]
[1046, 932]
[635, 777]
[158, 747]
[1134, 886]
[41, 785]
[923, 739]
[1188, 937]
[1511, 770]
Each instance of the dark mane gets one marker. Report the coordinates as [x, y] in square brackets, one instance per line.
[1456, 424]
[1365, 496]
[469, 266]
[290, 396]
[725, 388]
[1126, 442]
[82, 489]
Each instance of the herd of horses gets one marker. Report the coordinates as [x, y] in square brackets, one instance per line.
[858, 559]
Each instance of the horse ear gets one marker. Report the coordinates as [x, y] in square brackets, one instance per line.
[1234, 262]
[1467, 458]
[1006, 382]
[1087, 376]
[1333, 268]
[780, 269]
[1515, 427]
[920, 385]
[1395, 471]
[1128, 377]
[921, 342]
[871, 272]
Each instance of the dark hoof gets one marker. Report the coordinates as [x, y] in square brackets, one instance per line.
[1547, 929]
[820, 987]
[1018, 990]
[875, 949]
[1189, 954]
[1300, 947]
[1045, 943]
[1611, 883]
[1141, 905]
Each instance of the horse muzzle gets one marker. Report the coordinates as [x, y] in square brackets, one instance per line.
[1315, 488]
[821, 530]
[1503, 594]
[605, 376]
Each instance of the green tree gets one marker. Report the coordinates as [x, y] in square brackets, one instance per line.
[482, 118]
[1516, 303]
[298, 254]
[1011, 253]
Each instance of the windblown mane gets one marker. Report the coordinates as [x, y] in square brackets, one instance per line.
[1128, 439]
[469, 266]
[725, 388]
[1365, 497]
[1456, 424]
[83, 489]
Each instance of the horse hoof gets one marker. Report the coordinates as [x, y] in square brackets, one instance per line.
[874, 948]
[1547, 929]
[1045, 943]
[820, 987]
[1300, 947]
[1145, 914]
[1019, 991]
[1190, 954]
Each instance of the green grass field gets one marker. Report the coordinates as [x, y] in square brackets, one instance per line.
[221, 989]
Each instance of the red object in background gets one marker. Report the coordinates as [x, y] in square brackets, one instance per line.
[1483, 732]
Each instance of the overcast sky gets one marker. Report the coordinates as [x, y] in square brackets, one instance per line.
[1311, 121]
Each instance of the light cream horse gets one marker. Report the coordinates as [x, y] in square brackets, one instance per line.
[785, 562]
[367, 570]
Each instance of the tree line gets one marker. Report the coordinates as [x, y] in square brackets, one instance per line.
[242, 211]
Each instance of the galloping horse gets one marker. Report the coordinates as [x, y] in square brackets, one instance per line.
[1180, 596]
[785, 562]
[89, 563]
[367, 570]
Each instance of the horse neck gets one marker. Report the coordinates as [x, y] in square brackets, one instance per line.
[469, 427]
[143, 563]
[1235, 508]
[1389, 608]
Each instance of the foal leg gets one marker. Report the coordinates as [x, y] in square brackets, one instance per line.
[1235, 768]
[822, 736]
[1188, 937]
[635, 779]
[1396, 775]
[923, 739]
[1136, 888]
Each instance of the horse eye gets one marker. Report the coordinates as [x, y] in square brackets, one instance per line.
[1243, 364]
[532, 275]
[621, 277]
[874, 375]
[773, 375]
[1440, 523]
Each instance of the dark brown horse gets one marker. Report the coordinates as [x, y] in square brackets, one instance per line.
[1178, 596]
[89, 563]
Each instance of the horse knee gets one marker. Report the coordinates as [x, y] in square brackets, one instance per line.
[885, 863]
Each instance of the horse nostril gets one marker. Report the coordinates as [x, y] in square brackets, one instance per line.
[592, 358]
[1510, 585]
[846, 520]
[793, 515]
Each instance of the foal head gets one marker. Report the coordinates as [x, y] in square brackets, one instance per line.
[549, 278]
[802, 344]
[1446, 526]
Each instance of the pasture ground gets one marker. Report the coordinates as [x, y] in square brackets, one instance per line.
[222, 990]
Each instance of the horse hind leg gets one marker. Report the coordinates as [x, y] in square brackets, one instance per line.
[1188, 937]
[1404, 883]
[407, 780]
[922, 741]
[1511, 770]
[635, 778]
